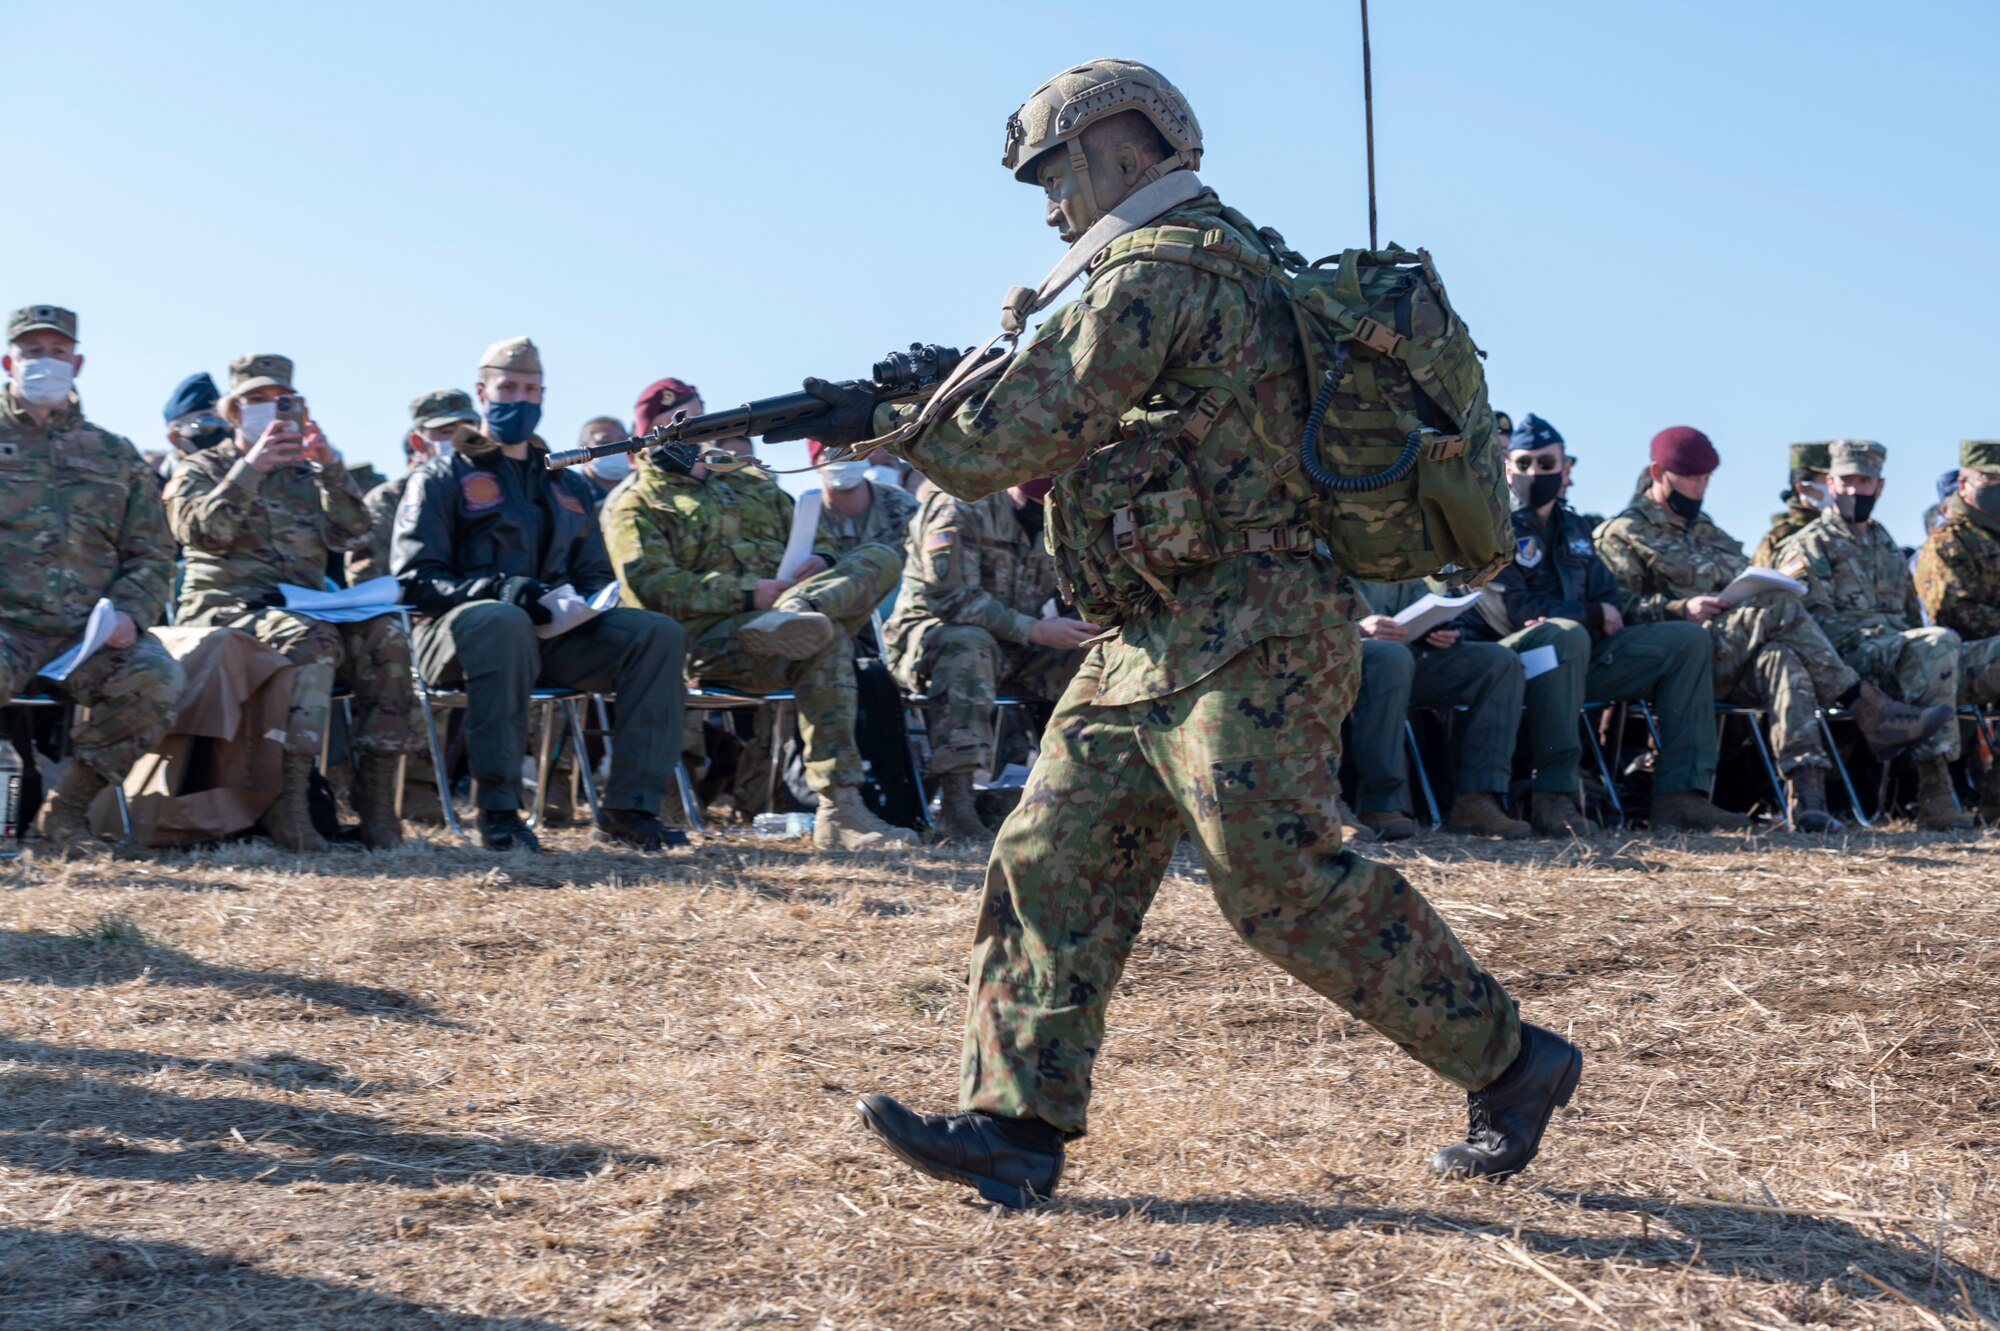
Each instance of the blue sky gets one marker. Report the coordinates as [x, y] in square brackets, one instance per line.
[1773, 220]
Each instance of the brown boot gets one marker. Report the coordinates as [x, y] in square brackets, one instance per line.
[1989, 796]
[1937, 811]
[1557, 814]
[1691, 811]
[845, 822]
[289, 821]
[1890, 726]
[1351, 828]
[790, 634]
[66, 812]
[375, 800]
[1389, 824]
[1480, 814]
[1807, 790]
[958, 810]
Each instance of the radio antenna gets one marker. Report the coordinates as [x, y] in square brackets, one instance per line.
[1368, 111]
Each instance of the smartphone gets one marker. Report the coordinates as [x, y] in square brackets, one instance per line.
[292, 410]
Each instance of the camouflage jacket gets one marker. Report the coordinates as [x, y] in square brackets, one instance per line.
[969, 563]
[887, 521]
[246, 531]
[80, 521]
[1857, 579]
[1115, 372]
[1958, 573]
[1661, 561]
[372, 561]
[696, 549]
[1793, 519]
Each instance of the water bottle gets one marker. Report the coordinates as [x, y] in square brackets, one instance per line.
[10, 799]
[773, 826]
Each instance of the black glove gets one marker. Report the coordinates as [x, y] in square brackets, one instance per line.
[526, 593]
[848, 419]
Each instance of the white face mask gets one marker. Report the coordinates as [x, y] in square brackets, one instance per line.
[45, 381]
[884, 475]
[257, 418]
[1813, 496]
[612, 468]
[844, 475]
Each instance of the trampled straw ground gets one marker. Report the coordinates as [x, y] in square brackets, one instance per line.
[433, 1089]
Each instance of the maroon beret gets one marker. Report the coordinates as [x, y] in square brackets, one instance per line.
[657, 402]
[1684, 451]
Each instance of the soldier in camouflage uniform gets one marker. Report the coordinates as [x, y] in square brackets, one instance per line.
[1671, 561]
[1958, 575]
[969, 621]
[704, 547]
[854, 511]
[1217, 716]
[264, 509]
[80, 522]
[1804, 498]
[1858, 587]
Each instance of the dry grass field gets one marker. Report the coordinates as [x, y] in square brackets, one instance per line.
[436, 1089]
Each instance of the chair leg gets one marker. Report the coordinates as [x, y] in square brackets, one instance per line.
[779, 716]
[1603, 769]
[124, 809]
[1423, 777]
[573, 712]
[1846, 781]
[690, 806]
[437, 763]
[544, 758]
[1764, 756]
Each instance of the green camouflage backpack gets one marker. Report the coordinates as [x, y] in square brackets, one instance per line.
[1397, 468]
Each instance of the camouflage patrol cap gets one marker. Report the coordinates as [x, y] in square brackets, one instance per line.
[440, 407]
[1061, 109]
[1810, 457]
[1979, 454]
[53, 317]
[258, 370]
[515, 353]
[1855, 457]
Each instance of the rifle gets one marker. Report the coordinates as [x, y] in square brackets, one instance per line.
[900, 376]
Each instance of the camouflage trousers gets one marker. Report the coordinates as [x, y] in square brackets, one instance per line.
[1245, 763]
[371, 657]
[822, 685]
[129, 697]
[962, 668]
[1771, 653]
[1926, 666]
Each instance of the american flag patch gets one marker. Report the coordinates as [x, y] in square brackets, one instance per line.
[940, 540]
[1794, 566]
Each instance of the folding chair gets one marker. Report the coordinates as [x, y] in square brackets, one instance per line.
[1756, 718]
[1597, 752]
[1825, 719]
[683, 779]
[1423, 777]
[50, 700]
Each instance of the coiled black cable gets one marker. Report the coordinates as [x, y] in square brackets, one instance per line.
[1309, 443]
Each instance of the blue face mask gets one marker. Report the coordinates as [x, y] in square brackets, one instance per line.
[512, 422]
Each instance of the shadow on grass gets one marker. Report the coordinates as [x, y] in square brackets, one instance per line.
[54, 1123]
[64, 1278]
[1728, 1240]
[33, 956]
[280, 1068]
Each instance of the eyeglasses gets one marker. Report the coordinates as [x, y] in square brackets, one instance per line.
[201, 425]
[1524, 464]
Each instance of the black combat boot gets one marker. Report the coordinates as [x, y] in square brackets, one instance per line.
[1808, 798]
[638, 828]
[1013, 1161]
[1509, 1117]
[502, 829]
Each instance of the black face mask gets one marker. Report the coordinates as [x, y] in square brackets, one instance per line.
[195, 443]
[1987, 500]
[1032, 516]
[1541, 490]
[1855, 508]
[1686, 507]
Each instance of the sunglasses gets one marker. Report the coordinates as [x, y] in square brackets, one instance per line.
[1526, 465]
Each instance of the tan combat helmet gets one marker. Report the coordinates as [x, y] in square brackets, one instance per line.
[1060, 110]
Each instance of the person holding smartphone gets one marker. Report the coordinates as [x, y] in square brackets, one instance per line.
[264, 508]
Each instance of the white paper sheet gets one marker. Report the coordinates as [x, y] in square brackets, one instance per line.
[364, 600]
[570, 609]
[1431, 611]
[805, 526]
[103, 618]
[1753, 581]
[1538, 661]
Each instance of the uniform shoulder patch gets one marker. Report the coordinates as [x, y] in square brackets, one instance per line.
[1794, 566]
[568, 500]
[940, 540]
[1528, 551]
[481, 490]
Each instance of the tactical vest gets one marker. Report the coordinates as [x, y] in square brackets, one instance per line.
[1395, 466]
